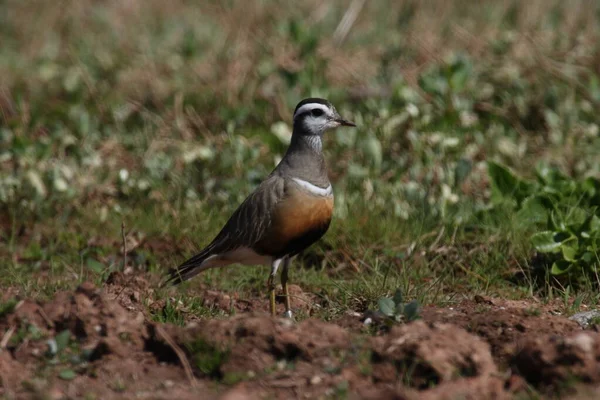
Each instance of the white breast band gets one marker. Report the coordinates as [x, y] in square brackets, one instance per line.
[313, 189]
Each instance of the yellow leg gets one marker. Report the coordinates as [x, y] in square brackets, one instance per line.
[272, 300]
[271, 286]
[284, 285]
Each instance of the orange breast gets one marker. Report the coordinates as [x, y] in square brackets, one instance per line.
[299, 215]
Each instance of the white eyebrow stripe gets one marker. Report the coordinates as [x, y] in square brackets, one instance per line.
[313, 189]
[311, 106]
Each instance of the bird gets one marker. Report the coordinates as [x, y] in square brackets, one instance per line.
[290, 209]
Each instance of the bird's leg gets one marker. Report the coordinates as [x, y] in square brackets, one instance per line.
[272, 296]
[271, 285]
[284, 285]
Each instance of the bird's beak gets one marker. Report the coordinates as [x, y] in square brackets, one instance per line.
[344, 122]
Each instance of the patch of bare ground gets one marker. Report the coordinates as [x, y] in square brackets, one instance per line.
[504, 324]
[82, 343]
[100, 342]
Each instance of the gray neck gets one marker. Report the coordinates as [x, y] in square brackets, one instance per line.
[308, 142]
[304, 159]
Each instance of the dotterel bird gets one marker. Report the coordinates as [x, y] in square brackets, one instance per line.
[289, 211]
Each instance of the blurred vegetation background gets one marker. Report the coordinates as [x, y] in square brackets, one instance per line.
[165, 115]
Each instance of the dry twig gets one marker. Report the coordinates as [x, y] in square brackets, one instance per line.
[7, 337]
[124, 245]
[124, 260]
[180, 354]
[347, 21]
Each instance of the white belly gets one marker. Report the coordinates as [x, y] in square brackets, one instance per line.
[246, 256]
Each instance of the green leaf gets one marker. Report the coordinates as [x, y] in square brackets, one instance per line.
[505, 184]
[8, 306]
[588, 257]
[94, 265]
[555, 222]
[560, 267]
[282, 131]
[62, 340]
[398, 298]
[591, 185]
[533, 210]
[373, 150]
[595, 225]
[544, 242]
[357, 171]
[549, 175]
[386, 306]
[576, 218]
[411, 310]
[462, 170]
[67, 374]
[584, 229]
[569, 253]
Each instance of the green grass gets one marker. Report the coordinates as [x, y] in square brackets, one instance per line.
[207, 358]
[177, 310]
[165, 119]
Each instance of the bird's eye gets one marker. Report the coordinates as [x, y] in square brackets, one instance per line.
[317, 112]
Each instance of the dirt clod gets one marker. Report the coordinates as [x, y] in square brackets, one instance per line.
[502, 324]
[430, 354]
[555, 360]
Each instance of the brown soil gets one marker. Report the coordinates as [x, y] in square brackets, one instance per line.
[101, 343]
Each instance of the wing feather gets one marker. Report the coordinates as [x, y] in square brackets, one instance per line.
[247, 226]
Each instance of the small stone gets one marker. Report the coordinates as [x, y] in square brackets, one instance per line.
[239, 392]
[582, 341]
[286, 322]
[56, 393]
[168, 384]
[87, 288]
[52, 346]
[585, 318]
[315, 380]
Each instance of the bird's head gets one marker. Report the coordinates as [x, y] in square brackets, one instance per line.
[314, 116]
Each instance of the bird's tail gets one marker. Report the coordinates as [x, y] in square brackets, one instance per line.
[192, 267]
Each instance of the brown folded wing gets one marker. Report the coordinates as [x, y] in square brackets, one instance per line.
[244, 228]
